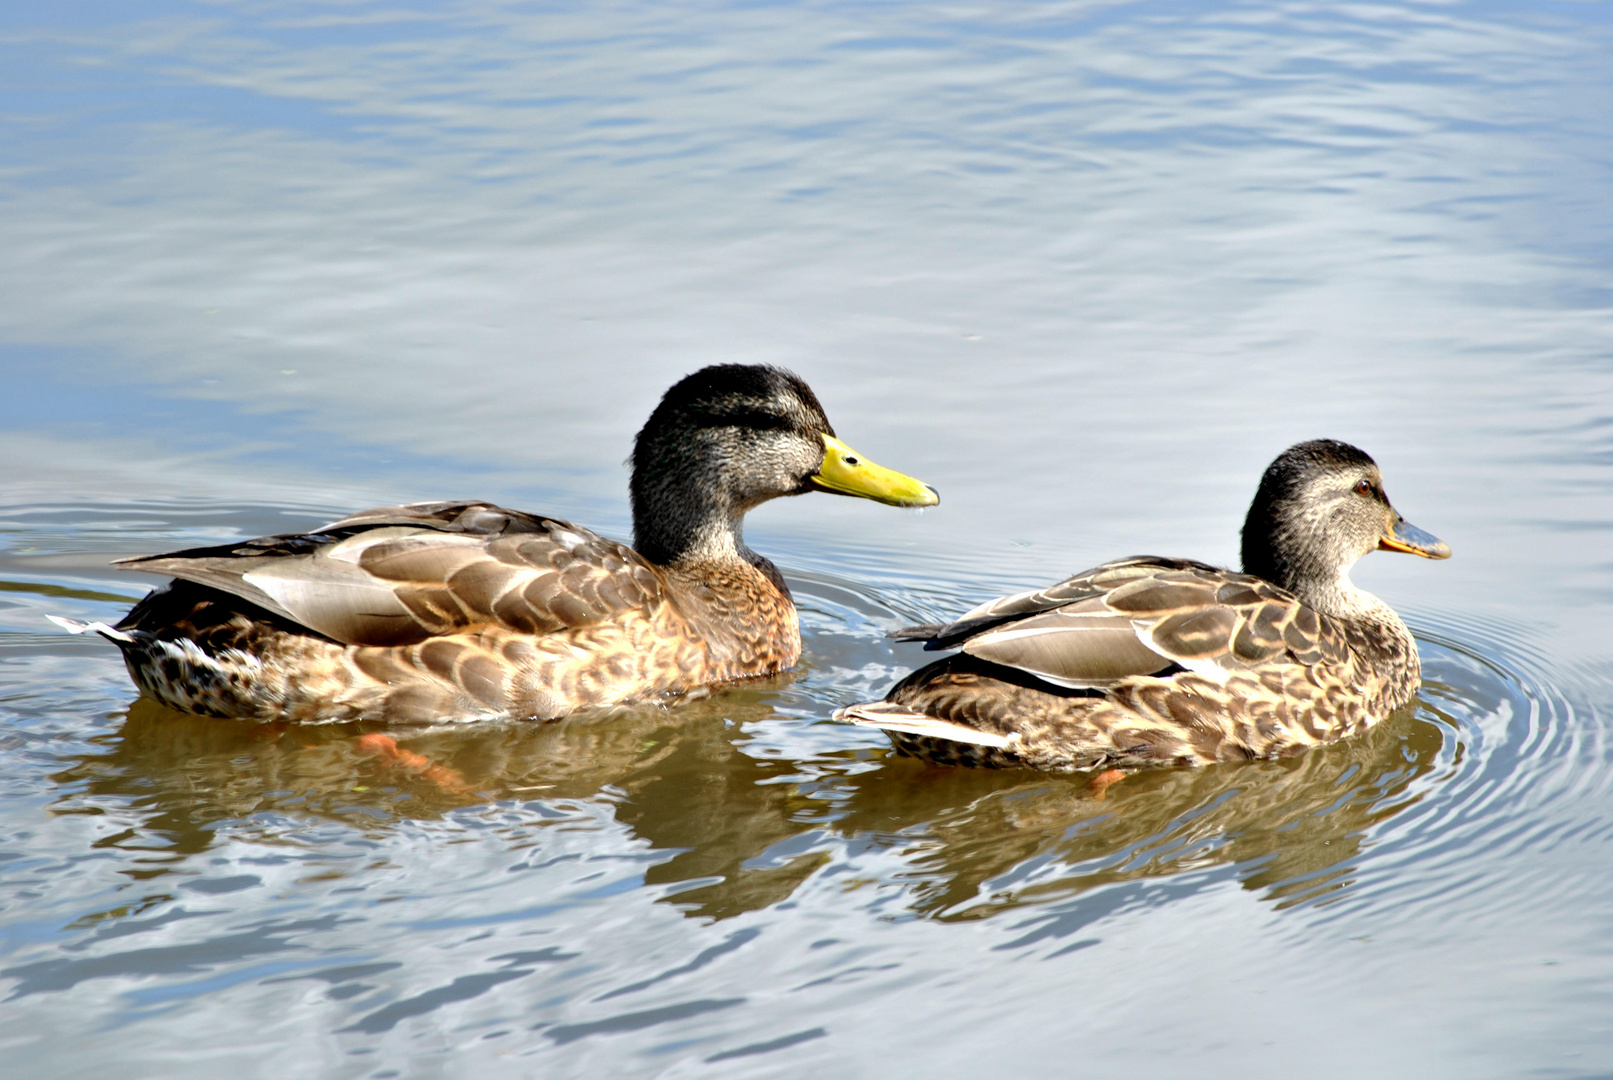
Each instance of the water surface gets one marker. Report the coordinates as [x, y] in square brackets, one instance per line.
[1085, 267]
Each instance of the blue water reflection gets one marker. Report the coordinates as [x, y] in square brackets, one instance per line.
[1084, 266]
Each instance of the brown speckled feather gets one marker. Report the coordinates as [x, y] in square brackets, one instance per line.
[1144, 661]
[466, 611]
[402, 574]
[1149, 661]
[445, 611]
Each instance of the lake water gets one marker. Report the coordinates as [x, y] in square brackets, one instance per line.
[1085, 267]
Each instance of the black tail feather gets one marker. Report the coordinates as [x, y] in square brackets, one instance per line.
[917, 633]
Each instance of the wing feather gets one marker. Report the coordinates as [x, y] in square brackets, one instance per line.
[889, 716]
[399, 575]
[1075, 647]
[1198, 634]
[1141, 616]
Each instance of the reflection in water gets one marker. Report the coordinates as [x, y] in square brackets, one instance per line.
[266, 262]
[747, 832]
[1291, 825]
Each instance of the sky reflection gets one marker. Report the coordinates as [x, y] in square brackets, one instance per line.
[1084, 266]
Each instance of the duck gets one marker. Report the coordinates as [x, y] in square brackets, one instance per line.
[1151, 661]
[446, 611]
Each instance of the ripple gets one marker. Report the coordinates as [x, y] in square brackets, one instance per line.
[1082, 266]
[749, 811]
[1521, 764]
[1396, 819]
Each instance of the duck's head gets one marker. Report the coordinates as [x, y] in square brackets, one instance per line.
[730, 437]
[1320, 507]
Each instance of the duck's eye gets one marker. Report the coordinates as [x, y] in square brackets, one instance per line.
[1364, 487]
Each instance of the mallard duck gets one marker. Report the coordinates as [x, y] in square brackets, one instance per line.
[1147, 661]
[464, 610]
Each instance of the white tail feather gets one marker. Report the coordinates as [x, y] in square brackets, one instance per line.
[73, 626]
[889, 716]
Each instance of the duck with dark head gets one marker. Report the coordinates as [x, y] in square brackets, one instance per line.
[433, 612]
[1150, 661]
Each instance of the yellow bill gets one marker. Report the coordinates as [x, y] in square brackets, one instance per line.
[846, 472]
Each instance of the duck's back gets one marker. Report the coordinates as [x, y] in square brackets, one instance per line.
[419, 613]
[1143, 660]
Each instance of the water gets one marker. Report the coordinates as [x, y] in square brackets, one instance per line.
[1084, 267]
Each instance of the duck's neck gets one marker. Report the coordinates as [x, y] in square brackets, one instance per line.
[1339, 598]
[1325, 589]
[684, 524]
[1381, 642]
[735, 599]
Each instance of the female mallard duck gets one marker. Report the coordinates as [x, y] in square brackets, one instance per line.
[466, 611]
[1148, 661]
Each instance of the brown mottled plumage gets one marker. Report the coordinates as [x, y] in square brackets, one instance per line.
[1148, 661]
[464, 611]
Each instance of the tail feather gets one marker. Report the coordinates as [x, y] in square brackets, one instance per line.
[73, 626]
[889, 716]
[923, 632]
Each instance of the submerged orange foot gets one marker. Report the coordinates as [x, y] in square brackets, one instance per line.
[386, 749]
[1104, 781]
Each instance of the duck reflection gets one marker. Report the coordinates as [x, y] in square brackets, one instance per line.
[746, 831]
[677, 778]
[1294, 826]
